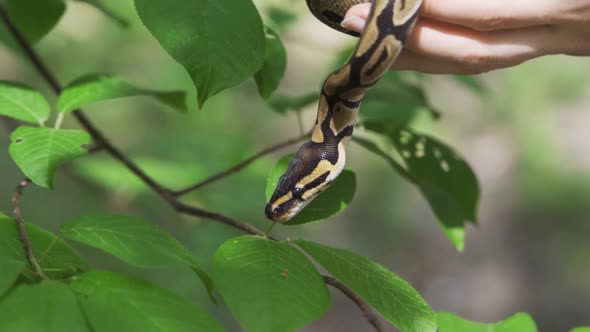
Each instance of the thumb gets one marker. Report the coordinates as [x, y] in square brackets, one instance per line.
[356, 17]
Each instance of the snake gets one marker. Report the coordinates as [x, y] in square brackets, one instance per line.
[320, 160]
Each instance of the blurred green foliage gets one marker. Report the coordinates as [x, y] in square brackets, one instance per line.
[545, 226]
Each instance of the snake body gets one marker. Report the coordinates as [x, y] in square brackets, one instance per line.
[322, 158]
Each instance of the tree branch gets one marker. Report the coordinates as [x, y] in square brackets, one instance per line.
[22, 232]
[239, 166]
[365, 308]
[101, 142]
[104, 143]
[194, 211]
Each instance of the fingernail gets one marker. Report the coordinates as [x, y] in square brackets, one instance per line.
[354, 23]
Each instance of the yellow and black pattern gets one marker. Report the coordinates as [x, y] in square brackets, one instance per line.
[321, 159]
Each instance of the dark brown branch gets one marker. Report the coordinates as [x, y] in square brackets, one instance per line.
[194, 211]
[365, 308]
[239, 166]
[22, 232]
[101, 142]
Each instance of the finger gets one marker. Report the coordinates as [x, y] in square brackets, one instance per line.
[486, 50]
[492, 15]
[356, 17]
[408, 60]
[478, 15]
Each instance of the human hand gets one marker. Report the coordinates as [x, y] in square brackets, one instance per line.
[477, 36]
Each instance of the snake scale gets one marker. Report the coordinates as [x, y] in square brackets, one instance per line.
[321, 159]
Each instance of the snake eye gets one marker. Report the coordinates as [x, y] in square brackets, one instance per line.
[297, 193]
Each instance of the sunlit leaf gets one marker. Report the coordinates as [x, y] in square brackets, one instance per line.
[46, 307]
[57, 259]
[219, 43]
[329, 203]
[521, 322]
[444, 178]
[23, 103]
[273, 69]
[581, 329]
[393, 297]
[38, 152]
[133, 240]
[269, 286]
[114, 302]
[99, 87]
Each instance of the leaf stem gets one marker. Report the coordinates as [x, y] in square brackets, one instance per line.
[238, 167]
[365, 308]
[372, 147]
[101, 140]
[269, 228]
[169, 196]
[22, 232]
[59, 120]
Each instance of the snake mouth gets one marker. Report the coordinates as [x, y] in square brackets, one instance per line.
[287, 210]
[281, 213]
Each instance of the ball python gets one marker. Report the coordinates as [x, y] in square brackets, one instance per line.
[321, 159]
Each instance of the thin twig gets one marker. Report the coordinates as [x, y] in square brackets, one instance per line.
[365, 308]
[171, 197]
[239, 166]
[103, 142]
[194, 211]
[22, 232]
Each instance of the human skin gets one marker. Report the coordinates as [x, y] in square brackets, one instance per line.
[476, 36]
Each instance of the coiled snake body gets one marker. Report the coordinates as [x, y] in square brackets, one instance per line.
[321, 159]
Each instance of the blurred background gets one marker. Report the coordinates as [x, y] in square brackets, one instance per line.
[527, 139]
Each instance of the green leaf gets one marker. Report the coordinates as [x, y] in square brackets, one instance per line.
[129, 238]
[133, 240]
[23, 103]
[219, 43]
[268, 285]
[444, 178]
[107, 12]
[283, 104]
[329, 203]
[520, 322]
[372, 147]
[395, 102]
[581, 329]
[11, 268]
[275, 63]
[38, 152]
[100, 87]
[394, 298]
[47, 307]
[57, 259]
[33, 18]
[114, 302]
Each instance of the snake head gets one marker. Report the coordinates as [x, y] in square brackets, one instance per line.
[311, 171]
